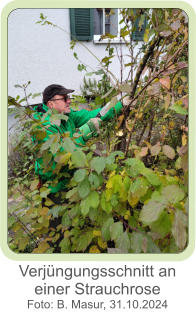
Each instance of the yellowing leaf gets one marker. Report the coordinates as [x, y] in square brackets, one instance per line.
[44, 211]
[146, 35]
[119, 133]
[102, 244]
[119, 121]
[43, 246]
[34, 185]
[115, 182]
[133, 200]
[184, 140]
[94, 250]
[108, 194]
[48, 202]
[96, 233]
[171, 124]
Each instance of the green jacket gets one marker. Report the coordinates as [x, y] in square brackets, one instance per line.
[75, 120]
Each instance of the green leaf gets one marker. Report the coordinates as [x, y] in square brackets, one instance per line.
[84, 241]
[66, 221]
[65, 245]
[179, 229]
[46, 145]
[152, 248]
[71, 193]
[84, 207]
[22, 244]
[81, 67]
[68, 145]
[74, 211]
[54, 211]
[98, 164]
[136, 242]
[44, 192]
[123, 242]
[139, 187]
[62, 158]
[79, 158]
[151, 211]
[151, 176]
[11, 221]
[35, 95]
[115, 183]
[105, 205]
[93, 199]
[116, 230]
[179, 109]
[79, 175]
[84, 188]
[135, 166]
[39, 135]
[94, 180]
[162, 225]
[137, 190]
[75, 55]
[173, 193]
[105, 230]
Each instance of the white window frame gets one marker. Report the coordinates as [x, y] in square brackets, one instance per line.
[117, 39]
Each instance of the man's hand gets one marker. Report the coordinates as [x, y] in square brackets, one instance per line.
[94, 124]
[91, 128]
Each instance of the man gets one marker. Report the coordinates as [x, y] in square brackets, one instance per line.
[86, 122]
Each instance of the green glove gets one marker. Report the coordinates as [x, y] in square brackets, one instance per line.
[108, 113]
[90, 129]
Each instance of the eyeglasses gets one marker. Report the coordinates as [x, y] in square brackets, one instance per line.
[65, 98]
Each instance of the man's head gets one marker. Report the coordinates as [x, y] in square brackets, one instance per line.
[56, 96]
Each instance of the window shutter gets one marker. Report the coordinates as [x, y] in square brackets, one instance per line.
[81, 24]
[138, 34]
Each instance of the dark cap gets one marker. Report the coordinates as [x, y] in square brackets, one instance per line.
[54, 89]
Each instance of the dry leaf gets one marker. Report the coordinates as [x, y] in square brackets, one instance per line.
[169, 151]
[155, 149]
[165, 82]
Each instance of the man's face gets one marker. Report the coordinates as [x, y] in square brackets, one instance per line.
[61, 103]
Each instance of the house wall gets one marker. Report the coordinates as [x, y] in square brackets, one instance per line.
[42, 54]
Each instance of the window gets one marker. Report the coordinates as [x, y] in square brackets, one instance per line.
[105, 21]
[90, 24]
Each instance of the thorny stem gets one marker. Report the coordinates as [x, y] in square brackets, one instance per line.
[148, 83]
[156, 75]
[133, 126]
[150, 128]
[27, 231]
[142, 133]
